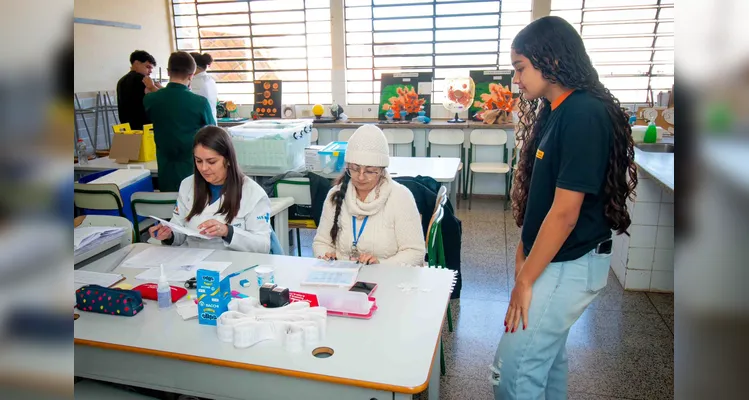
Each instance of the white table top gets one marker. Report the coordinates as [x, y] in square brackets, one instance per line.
[442, 169]
[392, 351]
[658, 165]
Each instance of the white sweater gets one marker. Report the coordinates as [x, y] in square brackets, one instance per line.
[251, 225]
[393, 231]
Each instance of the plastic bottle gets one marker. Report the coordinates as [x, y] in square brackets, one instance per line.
[163, 291]
[651, 134]
[80, 150]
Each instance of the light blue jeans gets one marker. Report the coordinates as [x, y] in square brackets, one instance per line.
[532, 363]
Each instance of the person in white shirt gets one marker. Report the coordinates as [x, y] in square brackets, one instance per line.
[368, 217]
[219, 201]
[202, 83]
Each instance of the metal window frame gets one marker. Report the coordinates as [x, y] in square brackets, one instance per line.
[434, 66]
[652, 63]
[256, 73]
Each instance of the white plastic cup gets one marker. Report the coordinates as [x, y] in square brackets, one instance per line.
[264, 275]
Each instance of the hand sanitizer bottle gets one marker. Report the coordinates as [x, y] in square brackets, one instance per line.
[163, 291]
[651, 134]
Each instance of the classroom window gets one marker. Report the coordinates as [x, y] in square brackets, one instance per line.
[255, 39]
[631, 43]
[445, 37]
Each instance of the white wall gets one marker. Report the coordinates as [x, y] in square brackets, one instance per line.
[102, 53]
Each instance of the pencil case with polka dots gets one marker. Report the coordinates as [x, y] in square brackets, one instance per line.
[103, 300]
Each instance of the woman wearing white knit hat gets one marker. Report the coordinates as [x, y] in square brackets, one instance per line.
[368, 217]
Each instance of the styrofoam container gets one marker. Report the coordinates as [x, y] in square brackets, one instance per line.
[271, 145]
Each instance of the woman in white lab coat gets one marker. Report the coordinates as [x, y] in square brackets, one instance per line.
[202, 83]
[219, 201]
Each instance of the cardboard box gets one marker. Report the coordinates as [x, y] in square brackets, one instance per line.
[125, 148]
[214, 295]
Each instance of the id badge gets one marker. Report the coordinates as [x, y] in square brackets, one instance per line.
[354, 252]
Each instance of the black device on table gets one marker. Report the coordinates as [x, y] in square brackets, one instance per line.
[273, 296]
[364, 287]
[191, 283]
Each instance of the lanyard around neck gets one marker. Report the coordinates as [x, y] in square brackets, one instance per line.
[353, 226]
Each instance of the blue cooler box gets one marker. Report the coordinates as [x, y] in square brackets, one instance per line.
[128, 180]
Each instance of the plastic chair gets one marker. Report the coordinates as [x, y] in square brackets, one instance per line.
[436, 256]
[400, 136]
[158, 204]
[111, 220]
[345, 134]
[454, 138]
[313, 139]
[98, 196]
[298, 189]
[487, 137]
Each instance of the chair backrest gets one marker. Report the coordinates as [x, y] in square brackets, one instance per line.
[441, 198]
[399, 136]
[488, 137]
[111, 220]
[158, 204]
[98, 196]
[298, 188]
[446, 136]
[435, 247]
[314, 137]
[345, 134]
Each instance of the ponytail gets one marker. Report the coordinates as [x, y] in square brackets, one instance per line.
[337, 199]
[202, 60]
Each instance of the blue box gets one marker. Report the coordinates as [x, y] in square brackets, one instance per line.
[332, 157]
[214, 295]
[142, 185]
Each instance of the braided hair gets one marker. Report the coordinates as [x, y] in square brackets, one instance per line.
[554, 47]
[337, 199]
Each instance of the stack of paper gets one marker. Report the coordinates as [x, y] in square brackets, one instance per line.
[154, 256]
[337, 273]
[83, 278]
[88, 237]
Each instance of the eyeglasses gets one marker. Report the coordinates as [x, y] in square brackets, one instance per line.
[357, 171]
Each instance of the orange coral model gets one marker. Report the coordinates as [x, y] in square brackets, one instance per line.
[499, 97]
[408, 101]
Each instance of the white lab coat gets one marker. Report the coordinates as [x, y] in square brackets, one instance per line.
[251, 225]
[205, 85]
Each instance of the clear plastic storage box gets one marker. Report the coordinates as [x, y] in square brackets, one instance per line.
[274, 146]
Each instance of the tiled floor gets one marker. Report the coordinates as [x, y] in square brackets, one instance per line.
[621, 348]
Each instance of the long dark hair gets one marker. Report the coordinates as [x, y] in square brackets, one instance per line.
[554, 47]
[216, 139]
[337, 200]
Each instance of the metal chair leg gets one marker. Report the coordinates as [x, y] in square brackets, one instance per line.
[298, 243]
[449, 318]
[471, 179]
[442, 358]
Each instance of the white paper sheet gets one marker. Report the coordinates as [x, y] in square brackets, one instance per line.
[181, 273]
[82, 278]
[154, 256]
[181, 229]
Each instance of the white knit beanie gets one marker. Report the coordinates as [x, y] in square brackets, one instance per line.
[368, 147]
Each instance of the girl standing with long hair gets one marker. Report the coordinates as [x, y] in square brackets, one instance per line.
[575, 173]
